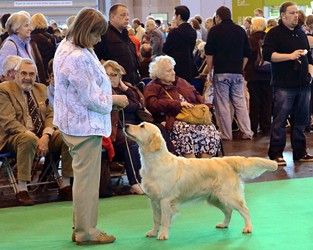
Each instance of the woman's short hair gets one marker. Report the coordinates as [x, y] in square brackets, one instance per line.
[195, 24]
[248, 19]
[258, 24]
[10, 63]
[301, 17]
[155, 67]
[131, 32]
[50, 67]
[115, 66]
[69, 20]
[259, 11]
[87, 21]
[15, 21]
[136, 21]
[272, 22]
[39, 21]
[199, 18]
[201, 46]
[4, 19]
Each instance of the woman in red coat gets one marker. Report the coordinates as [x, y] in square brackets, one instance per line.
[165, 96]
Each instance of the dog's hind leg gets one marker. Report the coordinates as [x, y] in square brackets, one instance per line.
[168, 210]
[226, 211]
[244, 211]
[156, 219]
[238, 203]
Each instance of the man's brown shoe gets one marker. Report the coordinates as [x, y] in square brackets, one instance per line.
[65, 194]
[23, 199]
[102, 238]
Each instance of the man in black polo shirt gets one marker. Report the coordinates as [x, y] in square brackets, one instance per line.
[116, 45]
[227, 50]
[286, 46]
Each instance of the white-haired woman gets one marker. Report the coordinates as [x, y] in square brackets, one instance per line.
[165, 96]
[201, 59]
[258, 84]
[18, 43]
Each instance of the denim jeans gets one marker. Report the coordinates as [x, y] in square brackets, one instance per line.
[229, 90]
[293, 102]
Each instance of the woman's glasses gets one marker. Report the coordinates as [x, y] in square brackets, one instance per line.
[112, 75]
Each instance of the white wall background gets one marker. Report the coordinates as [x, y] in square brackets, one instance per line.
[142, 8]
[137, 8]
[205, 8]
[59, 14]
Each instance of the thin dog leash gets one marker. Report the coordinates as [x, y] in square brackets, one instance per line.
[122, 123]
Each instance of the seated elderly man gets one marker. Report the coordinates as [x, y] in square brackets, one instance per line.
[26, 129]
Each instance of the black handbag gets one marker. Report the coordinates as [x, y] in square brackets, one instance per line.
[260, 65]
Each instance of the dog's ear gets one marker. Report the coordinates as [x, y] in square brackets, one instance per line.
[155, 143]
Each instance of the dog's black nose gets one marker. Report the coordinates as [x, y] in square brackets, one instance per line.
[126, 125]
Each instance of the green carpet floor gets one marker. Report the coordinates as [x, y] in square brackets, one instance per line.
[281, 213]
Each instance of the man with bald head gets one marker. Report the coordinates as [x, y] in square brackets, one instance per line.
[145, 60]
[117, 46]
[156, 40]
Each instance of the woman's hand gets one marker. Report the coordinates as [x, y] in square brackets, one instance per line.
[120, 100]
[186, 105]
[123, 86]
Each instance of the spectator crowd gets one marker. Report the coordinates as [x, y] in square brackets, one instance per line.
[65, 90]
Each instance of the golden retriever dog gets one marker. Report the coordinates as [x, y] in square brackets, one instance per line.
[169, 180]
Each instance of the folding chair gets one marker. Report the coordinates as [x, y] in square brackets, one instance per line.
[49, 173]
[146, 80]
[6, 166]
[45, 173]
[117, 171]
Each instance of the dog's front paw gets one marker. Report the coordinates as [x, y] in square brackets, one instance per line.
[247, 230]
[221, 225]
[151, 233]
[163, 236]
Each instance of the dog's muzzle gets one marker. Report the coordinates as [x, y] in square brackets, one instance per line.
[125, 130]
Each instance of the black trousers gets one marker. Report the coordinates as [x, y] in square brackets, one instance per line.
[261, 96]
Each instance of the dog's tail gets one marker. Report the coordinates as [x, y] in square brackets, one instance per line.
[250, 167]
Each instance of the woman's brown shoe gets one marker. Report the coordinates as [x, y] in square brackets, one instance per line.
[102, 238]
